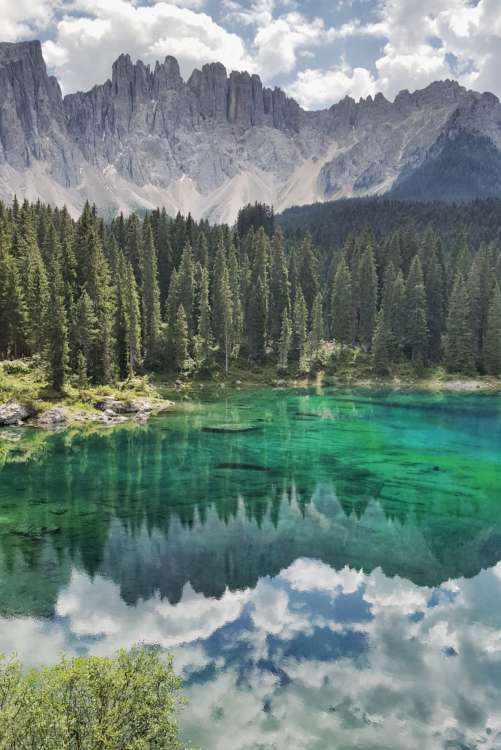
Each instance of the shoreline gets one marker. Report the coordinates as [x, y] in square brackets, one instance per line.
[115, 409]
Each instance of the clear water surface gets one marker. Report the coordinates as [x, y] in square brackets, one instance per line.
[324, 565]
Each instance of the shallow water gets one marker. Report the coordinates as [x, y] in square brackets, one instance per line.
[324, 565]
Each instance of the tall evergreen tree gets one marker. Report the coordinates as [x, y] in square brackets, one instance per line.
[492, 345]
[204, 320]
[279, 287]
[380, 355]
[415, 324]
[317, 322]
[300, 325]
[459, 347]
[285, 342]
[368, 298]
[57, 329]
[342, 305]
[150, 301]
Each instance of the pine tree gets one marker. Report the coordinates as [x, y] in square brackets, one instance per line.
[132, 322]
[257, 324]
[368, 297]
[82, 376]
[300, 325]
[434, 283]
[85, 329]
[492, 344]
[396, 317]
[317, 322]
[415, 324]
[186, 286]
[150, 301]
[342, 305]
[308, 272]
[204, 320]
[380, 356]
[222, 305]
[57, 329]
[14, 317]
[285, 342]
[36, 291]
[459, 347]
[181, 336]
[279, 287]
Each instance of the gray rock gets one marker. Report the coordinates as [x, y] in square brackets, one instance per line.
[14, 413]
[207, 145]
[52, 418]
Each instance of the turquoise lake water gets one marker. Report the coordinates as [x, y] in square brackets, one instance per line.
[324, 565]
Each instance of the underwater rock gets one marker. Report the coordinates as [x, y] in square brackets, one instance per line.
[242, 467]
[35, 533]
[14, 413]
[231, 428]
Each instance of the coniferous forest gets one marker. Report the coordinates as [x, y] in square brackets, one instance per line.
[101, 301]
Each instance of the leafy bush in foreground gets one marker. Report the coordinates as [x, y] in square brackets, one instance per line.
[127, 702]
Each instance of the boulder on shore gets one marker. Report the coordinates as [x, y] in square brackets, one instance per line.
[51, 418]
[14, 413]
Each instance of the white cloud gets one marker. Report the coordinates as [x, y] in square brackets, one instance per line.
[85, 47]
[316, 89]
[22, 19]
[278, 42]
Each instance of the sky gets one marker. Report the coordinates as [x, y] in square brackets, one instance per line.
[318, 51]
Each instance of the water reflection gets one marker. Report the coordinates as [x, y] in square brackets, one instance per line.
[329, 579]
[310, 658]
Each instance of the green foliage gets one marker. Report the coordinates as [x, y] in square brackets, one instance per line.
[120, 286]
[459, 350]
[380, 357]
[91, 703]
[492, 348]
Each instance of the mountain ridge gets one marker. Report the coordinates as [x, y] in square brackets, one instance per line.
[207, 145]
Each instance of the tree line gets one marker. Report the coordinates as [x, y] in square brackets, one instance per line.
[102, 300]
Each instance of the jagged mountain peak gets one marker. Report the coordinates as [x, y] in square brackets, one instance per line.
[208, 144]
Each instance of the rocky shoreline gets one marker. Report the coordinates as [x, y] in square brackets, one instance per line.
[109, 411]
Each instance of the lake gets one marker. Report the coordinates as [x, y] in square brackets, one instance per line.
[324, 565]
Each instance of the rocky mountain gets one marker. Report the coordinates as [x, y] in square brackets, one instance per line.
[212, 143]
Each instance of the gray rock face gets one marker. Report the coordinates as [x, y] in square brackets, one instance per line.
[14, 413]
[208, 145]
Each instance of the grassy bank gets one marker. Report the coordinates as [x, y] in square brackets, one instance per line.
[26, 381]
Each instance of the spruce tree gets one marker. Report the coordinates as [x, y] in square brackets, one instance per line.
[181, 337]
[132, 322]
[380, 355]
[492, 344]
[279, 288]
[57, 329]
[415, 323]
[222, 305]
[308, 272]
[317, 322]
[459, 347]
[186, 286]
[342, 305]
[257, 324]
[150, 301]
[368, 297]
[285, 342]
[85, 330]
[300, 326]
[204, 320]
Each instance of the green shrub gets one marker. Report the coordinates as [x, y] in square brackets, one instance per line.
[91, 703]
[16, 367]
